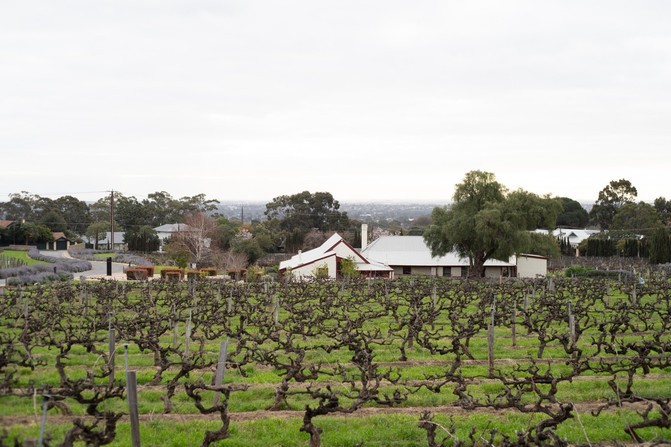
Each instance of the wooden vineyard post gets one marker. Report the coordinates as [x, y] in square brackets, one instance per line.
[221, 369]
[229, 303]
[571, 325]
[513, 322]
[526, 300]
[112, 349]
[43, 423]
[187, 336]
[276, 316]
[490, 344]
[434, 302]
[175, 333]
[26, 309]
[131, 389]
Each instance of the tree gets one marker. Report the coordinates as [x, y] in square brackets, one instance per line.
[143, 239]
[660, 247]
[232, 262]
[20, 207]
[248, 247]
[161, 209]
[573, 215]
[663, 206]
[224, 233]
[485, 222]
[636, 219]
[97, 231]
[129, 213]
[297, 214]
[75, 212]
[611, 198]
[196, 204]
[196, 238]
[30, 233]
[348, 268]
[101, 209]
[543, 245]
[53, 220]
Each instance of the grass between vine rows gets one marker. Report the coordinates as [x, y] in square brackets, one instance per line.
[253, 426]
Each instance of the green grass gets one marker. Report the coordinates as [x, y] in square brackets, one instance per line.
[22, 256]
[373, 430]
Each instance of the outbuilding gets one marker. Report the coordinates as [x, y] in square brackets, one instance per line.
[409, 255]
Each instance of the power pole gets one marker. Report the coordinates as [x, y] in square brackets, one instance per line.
[242, 214]
[112, 220]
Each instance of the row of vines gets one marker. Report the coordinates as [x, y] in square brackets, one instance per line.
[334, 348]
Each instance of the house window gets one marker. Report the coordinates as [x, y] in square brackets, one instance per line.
[447, 271]
[407, 270]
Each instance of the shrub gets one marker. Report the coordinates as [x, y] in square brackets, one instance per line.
[255, 273]
[139, 274]
[170, 272]
[148, 268]
[194, 274]
[172, 276]
[39, 278]
[208, 271]
[577, 270]
[128, 258]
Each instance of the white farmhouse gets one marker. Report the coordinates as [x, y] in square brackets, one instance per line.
[327, 260]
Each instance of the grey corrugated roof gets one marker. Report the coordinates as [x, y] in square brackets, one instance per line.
[413, 251]
[172, 228]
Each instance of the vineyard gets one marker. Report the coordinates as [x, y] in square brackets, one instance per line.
[416, 361]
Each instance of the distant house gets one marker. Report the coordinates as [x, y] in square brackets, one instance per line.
[105, 243]
[4, 224]
[409, 255]
[327, 260]
[165, 232]
[574, 236]
[59, 242]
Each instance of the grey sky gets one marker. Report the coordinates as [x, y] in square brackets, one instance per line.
[381, 100]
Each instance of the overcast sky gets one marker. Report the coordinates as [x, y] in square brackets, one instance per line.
[369, 100]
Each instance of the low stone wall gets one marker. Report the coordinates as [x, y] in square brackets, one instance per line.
[21, 247]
